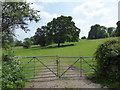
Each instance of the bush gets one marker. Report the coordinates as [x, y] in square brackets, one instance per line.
[27, 44]
[83, 37]
[12, 76]
[108, 61]
[18, 43]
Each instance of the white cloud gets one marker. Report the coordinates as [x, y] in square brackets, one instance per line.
[92, 13]
[103, 11]
[91, 9]
[79, 22]
[57, 1]
[108, 22]
[47, 17]
[83, 25]
[88, 13]
[50, 1]
[36, 7]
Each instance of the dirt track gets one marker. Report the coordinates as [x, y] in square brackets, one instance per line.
[76, 82]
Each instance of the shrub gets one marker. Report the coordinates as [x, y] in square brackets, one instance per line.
[27, 44]
[108, 61]
[83, 37]
[12, 76]
[18, 43]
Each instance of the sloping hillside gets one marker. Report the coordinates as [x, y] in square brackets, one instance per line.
[81, 48]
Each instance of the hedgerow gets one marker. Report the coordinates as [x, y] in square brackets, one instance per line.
[12, 76]
[107, 56]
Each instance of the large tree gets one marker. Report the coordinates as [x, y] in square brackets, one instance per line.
[118, 29]
[110, 31]
[62, 29]
[16, 15]
[102, 32]
[41, 36]
[27, 43]
[97, 32]
[93, 33]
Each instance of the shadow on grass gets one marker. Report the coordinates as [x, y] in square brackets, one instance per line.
[48, 47]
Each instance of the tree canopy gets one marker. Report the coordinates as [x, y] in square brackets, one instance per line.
[59, 30]
[110, 31]
[118, 29]
[97, 32]
[41, 36]
[16, 15]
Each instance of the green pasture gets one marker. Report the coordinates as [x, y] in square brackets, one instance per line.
[81, 48]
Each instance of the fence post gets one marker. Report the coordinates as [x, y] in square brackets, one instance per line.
[34, 66]
[58, 66]
[80, 66]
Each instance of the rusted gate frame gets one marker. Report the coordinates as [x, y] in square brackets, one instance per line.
[58, 74]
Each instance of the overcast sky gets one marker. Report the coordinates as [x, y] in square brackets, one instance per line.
[85, 13]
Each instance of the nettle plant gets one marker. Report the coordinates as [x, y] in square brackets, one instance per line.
[108, 60]
[12, 76]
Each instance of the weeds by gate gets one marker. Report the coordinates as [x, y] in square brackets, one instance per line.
[37, 67]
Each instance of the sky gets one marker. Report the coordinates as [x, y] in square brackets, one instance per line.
[85, 13]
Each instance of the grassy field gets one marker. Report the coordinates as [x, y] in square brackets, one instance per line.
[81, 48]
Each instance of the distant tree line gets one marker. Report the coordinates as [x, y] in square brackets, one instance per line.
[63, 29]
[26, 43]
[97, 31]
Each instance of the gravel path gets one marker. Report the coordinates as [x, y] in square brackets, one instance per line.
[54, 82]
[63, 84]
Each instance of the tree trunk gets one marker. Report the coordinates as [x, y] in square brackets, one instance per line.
[58, 44]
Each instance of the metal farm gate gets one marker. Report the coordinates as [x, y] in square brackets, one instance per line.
[54, 67]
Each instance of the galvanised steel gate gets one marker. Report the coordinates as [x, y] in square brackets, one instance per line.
[39, 67]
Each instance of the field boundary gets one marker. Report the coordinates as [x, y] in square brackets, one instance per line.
[61, 70]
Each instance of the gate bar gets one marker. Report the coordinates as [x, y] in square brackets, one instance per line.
[36, 56]
[76, 56]
[80, 67]
[89, 64]
[69, 67]
[46, 66]
[59, 56]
